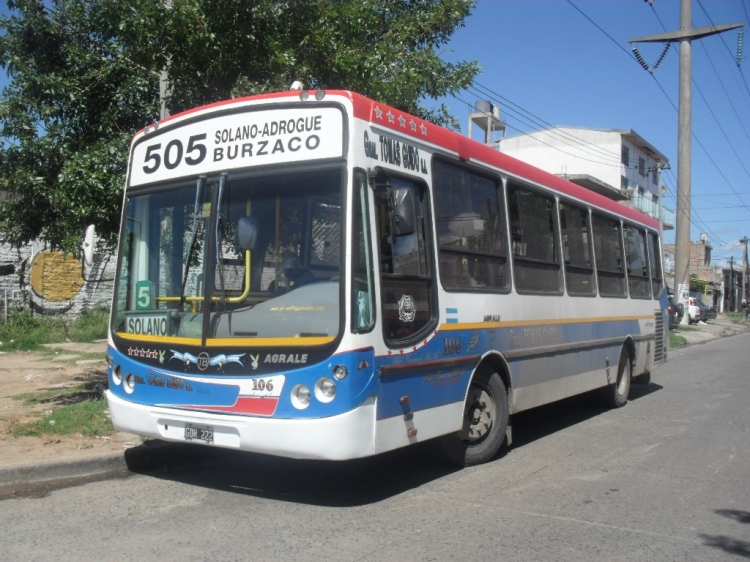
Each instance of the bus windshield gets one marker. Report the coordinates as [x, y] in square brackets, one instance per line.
[265, 252]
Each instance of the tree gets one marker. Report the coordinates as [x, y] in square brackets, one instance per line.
[84, 79]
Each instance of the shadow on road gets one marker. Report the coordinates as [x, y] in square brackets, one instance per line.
[325, 483]
[546, 420]
[340, 484]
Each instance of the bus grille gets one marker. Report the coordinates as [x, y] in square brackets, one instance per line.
[659, 337]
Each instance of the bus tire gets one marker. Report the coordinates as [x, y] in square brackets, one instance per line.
[485, 422]
[616, 395]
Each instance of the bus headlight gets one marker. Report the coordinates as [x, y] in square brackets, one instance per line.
[300, 396]
[129, 385]
[117, 374]
[340, 372]
[325, 389]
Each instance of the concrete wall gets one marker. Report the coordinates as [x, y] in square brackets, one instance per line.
[50, 282]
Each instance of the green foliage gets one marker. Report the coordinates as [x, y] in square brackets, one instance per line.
[675, 340]
[87, 417]
[25, 331]
[85, 77]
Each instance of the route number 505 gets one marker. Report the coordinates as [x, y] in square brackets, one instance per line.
[173, 153]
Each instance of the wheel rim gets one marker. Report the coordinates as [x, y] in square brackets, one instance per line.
[479, 415]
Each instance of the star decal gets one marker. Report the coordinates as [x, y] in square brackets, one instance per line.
[390, 116]
[423, 127]
[401, 121]
[413, 124]
[378, 113]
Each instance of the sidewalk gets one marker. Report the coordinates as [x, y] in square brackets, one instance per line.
[29, 462]
[720, 327]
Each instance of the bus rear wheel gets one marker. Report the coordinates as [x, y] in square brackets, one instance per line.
[485, 422]
[616, 395]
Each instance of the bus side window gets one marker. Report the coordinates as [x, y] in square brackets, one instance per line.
[536, 263]
[610, 274]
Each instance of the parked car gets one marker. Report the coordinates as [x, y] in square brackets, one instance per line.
[697, 311]
[711, 313]
[675, 312]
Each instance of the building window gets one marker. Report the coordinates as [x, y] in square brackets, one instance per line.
[626, 155]
[641, 166]
[654, 176]
[624, 183]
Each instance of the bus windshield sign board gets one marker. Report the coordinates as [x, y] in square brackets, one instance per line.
[238, 140]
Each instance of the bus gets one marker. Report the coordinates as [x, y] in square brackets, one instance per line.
[314, 274]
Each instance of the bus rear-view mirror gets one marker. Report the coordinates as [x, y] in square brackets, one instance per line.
[403, 211]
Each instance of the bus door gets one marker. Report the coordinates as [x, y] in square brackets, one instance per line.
[408, 307]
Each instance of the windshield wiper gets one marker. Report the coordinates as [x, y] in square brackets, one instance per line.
[198, 193]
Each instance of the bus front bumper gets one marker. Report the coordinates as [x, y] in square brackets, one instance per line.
[345, 436]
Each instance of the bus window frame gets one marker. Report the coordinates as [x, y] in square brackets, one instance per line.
[380, 179]
[547, 193]
[503, 213]
[581, 207]
[642, 229]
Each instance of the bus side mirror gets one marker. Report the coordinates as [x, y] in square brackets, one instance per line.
[403, 211]
[247, 233]
[88, 246]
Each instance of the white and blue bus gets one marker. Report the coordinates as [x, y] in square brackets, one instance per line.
[318, 275]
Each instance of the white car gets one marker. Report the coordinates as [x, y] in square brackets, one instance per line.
[697, 311]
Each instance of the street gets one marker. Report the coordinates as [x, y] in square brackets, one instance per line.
[664, 478]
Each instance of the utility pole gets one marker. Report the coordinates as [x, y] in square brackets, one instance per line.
[744, 269]
[684, 140]
[731, 284]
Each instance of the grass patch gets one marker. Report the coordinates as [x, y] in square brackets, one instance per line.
[73, 410]
[87, 417]
[676, 340]
[25, 331]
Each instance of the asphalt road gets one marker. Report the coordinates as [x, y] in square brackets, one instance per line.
[665, 478]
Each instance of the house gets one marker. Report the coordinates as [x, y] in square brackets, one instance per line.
[618, 164]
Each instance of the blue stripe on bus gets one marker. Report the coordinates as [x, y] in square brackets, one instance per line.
[451, 311]
[432, 384]
[451, 320]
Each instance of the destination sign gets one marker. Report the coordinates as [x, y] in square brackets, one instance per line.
[149, 324]
[238, 140]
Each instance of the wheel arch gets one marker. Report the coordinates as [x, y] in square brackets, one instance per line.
[496, 362]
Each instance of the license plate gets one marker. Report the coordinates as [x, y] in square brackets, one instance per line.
[202, 433]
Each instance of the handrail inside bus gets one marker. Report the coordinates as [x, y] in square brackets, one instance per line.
[231, 300]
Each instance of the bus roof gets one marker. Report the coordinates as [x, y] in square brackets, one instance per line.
[463, 147]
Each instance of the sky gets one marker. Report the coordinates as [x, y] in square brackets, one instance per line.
[569, 63]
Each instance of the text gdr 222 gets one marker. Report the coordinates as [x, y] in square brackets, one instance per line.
[173, 154]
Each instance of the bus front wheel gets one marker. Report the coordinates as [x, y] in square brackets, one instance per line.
[485, 422]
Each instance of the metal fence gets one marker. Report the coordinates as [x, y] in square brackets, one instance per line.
[12, 300]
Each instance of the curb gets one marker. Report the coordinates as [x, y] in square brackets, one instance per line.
[59, 474]
[59, 470]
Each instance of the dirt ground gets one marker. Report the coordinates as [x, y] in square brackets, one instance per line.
[63, 365]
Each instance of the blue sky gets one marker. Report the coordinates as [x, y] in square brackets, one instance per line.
[548, 58]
